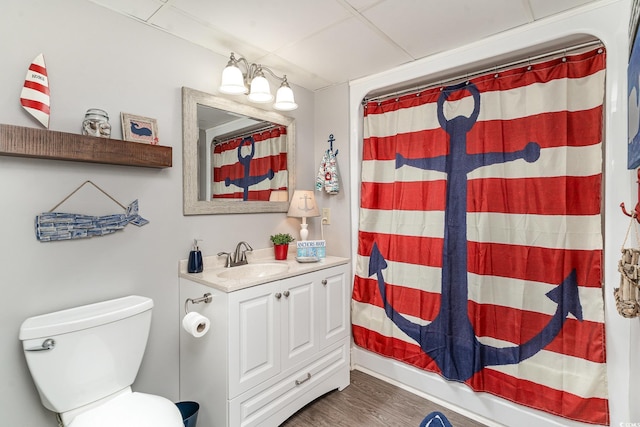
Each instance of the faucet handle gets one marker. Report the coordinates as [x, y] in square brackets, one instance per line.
[227, 263]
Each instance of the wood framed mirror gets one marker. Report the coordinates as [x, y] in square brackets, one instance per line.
[235, 158]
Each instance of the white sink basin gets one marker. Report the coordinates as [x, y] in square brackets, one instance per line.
[253, 271]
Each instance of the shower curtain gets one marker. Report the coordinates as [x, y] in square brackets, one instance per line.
[479, 243]
[251, 167]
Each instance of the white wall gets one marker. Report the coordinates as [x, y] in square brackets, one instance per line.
[608, 21]
[96, 58]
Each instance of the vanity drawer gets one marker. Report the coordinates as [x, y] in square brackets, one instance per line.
[275, 404]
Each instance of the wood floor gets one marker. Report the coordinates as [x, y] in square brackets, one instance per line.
[371, 402]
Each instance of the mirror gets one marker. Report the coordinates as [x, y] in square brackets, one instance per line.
[235, 158]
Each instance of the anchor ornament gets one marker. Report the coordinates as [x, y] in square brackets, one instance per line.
[450, 339]
[247, 181]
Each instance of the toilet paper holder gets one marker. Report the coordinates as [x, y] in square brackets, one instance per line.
[206, 298]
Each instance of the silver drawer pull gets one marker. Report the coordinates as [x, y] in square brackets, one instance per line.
[298, 382]
[286, 294]
[278, 295]
[47, 344]
[324, 282]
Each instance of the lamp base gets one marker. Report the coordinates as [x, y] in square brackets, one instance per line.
[304, 233]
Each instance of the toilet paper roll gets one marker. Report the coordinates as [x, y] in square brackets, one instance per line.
[196, 324]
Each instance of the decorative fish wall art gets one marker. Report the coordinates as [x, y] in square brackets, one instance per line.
[52, 226]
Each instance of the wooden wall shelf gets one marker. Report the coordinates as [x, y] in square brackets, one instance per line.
[48, 144]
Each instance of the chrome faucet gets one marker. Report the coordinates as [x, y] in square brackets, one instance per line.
[239, 257]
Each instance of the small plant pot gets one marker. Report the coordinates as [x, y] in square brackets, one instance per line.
[281, 251]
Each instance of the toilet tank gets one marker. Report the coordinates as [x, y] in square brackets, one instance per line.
[97, 350]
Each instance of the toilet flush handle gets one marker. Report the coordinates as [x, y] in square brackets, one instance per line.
[47, 344]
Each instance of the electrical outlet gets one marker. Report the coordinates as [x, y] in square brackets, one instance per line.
[326, 216]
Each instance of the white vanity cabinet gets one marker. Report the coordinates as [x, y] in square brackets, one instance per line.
[272, 348]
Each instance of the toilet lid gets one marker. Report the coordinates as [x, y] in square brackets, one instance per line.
[132, 410]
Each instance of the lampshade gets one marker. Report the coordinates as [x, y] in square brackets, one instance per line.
[303, 205]
[232, 80]
[260, 90]
[284, 98]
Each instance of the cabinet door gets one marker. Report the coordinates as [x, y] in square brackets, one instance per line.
[335, 303]
[254, 336]
[299, 314]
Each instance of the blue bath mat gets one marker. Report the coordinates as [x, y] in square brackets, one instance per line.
[435, 419]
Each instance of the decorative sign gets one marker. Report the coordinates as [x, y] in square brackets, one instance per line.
[35, 91]
[139, 129]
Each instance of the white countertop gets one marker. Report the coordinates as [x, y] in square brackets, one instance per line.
[214, 265]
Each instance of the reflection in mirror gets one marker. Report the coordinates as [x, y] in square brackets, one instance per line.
[248, 156]
[236, 158]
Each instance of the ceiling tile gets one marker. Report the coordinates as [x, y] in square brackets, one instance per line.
[297, 73]
[266, 24]
[361, 5]
[348, 50]
[544, 8]
[140, 9]
[175, 22]
[426, 27]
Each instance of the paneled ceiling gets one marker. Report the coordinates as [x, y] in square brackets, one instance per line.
[319, 43]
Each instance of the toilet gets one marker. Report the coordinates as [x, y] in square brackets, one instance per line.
[83, 361]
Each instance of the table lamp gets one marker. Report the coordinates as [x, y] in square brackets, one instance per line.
[303, 205]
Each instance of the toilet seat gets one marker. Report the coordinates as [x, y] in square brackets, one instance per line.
[131, 410]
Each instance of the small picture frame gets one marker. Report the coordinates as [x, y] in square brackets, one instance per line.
[139, 129]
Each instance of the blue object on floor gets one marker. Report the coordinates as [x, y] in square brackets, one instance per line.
[189, 412]
[435, 419]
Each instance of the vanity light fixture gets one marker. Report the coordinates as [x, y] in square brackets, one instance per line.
[303, 205]
[235, 82]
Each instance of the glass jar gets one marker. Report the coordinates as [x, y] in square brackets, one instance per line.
[96, 123]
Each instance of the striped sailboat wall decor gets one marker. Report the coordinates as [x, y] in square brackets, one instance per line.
[35, 97]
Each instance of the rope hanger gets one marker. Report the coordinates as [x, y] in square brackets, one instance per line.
[82, 185]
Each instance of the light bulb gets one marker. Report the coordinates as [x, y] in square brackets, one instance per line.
[284, 99]
[232, 80]
[260, 90]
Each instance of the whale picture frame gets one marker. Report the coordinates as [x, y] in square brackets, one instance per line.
[139, 129]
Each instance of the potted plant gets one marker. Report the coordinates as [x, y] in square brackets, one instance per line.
[281, 244]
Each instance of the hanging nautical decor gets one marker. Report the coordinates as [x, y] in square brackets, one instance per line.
[327, 178]
[51, 226]
[35, 91]
[628, 294]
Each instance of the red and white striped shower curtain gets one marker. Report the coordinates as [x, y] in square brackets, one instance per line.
[479, 243]
[267, 165]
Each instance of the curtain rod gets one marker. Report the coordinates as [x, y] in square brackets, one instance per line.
[467, 76]
[231, 135]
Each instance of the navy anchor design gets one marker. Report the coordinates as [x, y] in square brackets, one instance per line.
[450, 339]
[247, 180]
